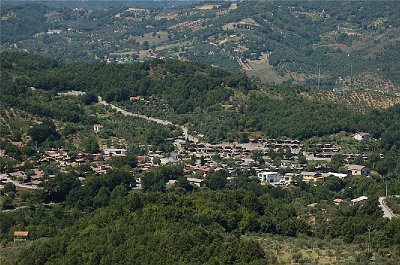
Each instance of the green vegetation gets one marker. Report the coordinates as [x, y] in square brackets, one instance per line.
[229, 221]
[345, 41]
[394, 204]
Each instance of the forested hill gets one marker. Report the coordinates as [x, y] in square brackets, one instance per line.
[352, 44]
[184, 85]
[220, 104]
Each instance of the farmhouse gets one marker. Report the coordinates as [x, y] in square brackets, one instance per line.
[357, 170]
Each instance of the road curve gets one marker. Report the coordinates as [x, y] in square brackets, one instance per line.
[157, 120]
[387, 212]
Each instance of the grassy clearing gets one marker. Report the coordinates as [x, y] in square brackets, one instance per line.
[10, 252]
[152, 38]
[286, 250]
[262, 70]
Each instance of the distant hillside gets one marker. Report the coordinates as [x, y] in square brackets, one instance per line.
[278, 42]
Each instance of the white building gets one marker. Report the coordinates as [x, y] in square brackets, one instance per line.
[97, 128]
[196, 182]
[269, 177]
[115, 152]
[361, 136]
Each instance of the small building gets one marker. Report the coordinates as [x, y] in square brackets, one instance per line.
[361, 136]
[285, 163]
[269, 177]
[134, 98]
[115, 152]
[337, 201]
[196, 182]
[20, 236]
[358, 170]
[97, 128]
[312, 176]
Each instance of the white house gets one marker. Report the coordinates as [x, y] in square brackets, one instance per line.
[361, 136]
[97, 128]
[115, 152]
[269, 177]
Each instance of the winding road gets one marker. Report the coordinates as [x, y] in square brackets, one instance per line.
[157, 120]
[387, 212]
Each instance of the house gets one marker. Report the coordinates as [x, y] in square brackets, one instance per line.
[312, 176]
[196, 182]
[285, 163]
[20, 235]
[361, 136]
[269, 177]
[288, 177]
[134, 98]
[357, 170]
[97, 128]
[115, 152]
[338, 200]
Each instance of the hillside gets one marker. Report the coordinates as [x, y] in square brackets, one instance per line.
[91, 184]
[343, 43]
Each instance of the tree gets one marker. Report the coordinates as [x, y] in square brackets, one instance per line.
[44, 131]
[118, 192]
[337, 161]
[57, 188]
[102, 197]
[89, 98]
[9, 187]
[257, 156]
[7, 203]
[90, 145]
[216, 180]
[183, 183]
[302, 158]
[152, 182]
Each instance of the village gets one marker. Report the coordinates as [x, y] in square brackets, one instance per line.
[274, 162]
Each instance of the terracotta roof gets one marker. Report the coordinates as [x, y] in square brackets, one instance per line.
[21, 233]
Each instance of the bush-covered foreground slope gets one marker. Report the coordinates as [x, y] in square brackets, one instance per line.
[199, 228]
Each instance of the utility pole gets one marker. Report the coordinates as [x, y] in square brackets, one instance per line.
[351, 76]
[369, 239]
[386, 189]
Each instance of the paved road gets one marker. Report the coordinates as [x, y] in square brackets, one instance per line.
[14, 209]
[387, 212]
[157, 120]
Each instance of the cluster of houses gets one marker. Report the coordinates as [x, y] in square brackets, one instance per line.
[199, 158]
